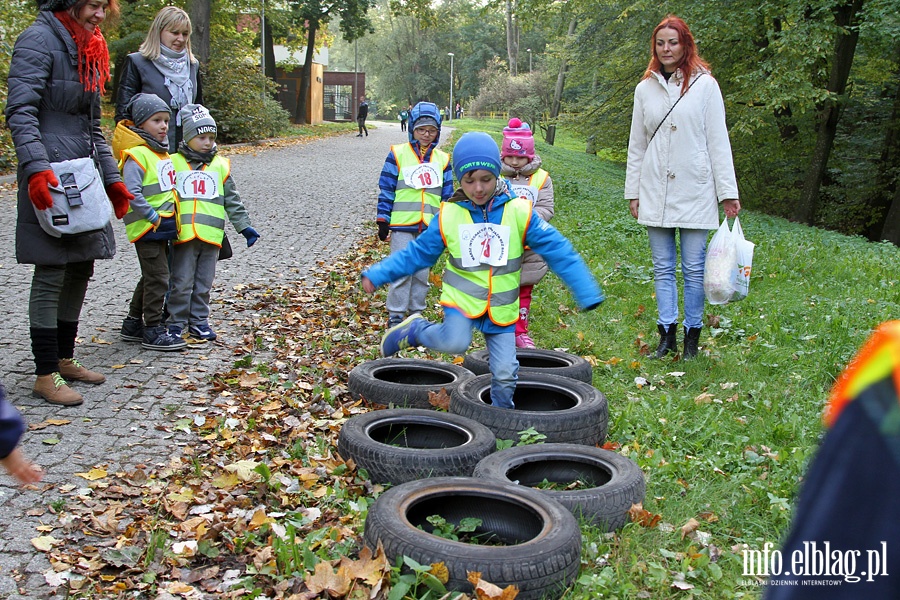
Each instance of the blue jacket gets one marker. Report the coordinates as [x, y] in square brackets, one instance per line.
[387, 186]
[11, 426]
[541, 237]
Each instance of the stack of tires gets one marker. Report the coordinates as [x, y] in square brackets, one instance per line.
[446, 464]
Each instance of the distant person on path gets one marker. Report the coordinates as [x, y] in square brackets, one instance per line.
[59, 67]
[458, 110]
[679, 170]
[415, 179]
[522, 167]
[404, 117]
[207, 195]
[11, 457]
[141, 143]
[164, 66]
[361, 113]
[485, 230]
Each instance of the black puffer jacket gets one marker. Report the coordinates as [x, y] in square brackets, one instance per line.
[140, 76]
[52, 118]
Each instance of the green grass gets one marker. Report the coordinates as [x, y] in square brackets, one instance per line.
[727, 441]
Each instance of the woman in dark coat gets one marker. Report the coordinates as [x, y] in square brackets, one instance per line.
[59, 67]
[164, 66]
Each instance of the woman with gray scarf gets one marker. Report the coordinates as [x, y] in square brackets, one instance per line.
[164, 66]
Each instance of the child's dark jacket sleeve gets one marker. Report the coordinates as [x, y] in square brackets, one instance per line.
[422, 252]
[565, 261]
[11, 426]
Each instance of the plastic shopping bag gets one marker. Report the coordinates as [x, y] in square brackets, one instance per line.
[744, 250]
[721, 264]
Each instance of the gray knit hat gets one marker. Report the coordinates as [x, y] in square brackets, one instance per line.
[55, 5]
[143, 106]
[196, 120]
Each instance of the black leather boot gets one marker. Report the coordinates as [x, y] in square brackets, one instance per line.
[667, 341]
[691, 339]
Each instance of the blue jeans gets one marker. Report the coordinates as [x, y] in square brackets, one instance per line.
[454, 336]
[693, 257]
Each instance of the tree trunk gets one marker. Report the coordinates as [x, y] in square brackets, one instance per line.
[888, 170]
[512, 39]
[269, 49]
[560, 85]
[303, 92]
[846, 17]
[891, 231]
[199, 11]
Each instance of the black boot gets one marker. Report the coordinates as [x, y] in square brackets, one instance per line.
[691, 339]
[667, 342]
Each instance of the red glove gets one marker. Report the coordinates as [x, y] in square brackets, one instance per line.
[120, 197]
[39, 189]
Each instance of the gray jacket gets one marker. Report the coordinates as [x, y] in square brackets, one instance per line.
[52, 118]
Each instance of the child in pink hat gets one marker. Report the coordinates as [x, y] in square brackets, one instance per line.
[522, 167]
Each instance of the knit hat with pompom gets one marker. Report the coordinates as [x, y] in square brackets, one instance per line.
[517, 140]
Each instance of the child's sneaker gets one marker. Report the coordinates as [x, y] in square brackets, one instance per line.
[523, 340]
[202, 332]
[186, 336]
[402, 336]
[159, 338]
[132, 330]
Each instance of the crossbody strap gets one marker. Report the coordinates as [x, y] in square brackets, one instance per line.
[673, 107]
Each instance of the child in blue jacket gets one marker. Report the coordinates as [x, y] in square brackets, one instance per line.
[485, 229]
[11, 429]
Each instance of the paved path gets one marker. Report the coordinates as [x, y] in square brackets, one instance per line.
[309, 201]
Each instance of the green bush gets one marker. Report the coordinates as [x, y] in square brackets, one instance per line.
[242, 100]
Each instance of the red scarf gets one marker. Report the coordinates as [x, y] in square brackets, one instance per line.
[93, 62]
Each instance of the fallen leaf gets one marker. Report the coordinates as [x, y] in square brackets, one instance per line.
[93, 475]
[44, 543]
[704, 398]
[643, 517]
[688, 527]
[327, 580]
[439, 399]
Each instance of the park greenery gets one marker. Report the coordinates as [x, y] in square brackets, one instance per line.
[811, 86]
[259, 504]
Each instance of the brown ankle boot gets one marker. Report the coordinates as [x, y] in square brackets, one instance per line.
[72, 370]
[54, 390]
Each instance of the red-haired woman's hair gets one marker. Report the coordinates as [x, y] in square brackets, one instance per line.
[690, 62]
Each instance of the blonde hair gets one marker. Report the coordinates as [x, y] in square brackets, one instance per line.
[169, 17]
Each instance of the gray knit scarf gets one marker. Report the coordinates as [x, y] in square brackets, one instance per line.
[176, 70]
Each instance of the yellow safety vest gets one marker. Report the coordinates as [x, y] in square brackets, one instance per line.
[483, 288]
[164, 202]
[413, 206]
[202, 218]
[538, 178]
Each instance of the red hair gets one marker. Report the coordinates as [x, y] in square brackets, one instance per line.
[690, 62]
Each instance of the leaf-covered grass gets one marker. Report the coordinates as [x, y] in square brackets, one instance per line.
[262, 505]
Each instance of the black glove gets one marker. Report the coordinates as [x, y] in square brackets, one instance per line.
[383, 230]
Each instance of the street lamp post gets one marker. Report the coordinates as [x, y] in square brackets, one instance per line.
[529, 59]
[450, 115]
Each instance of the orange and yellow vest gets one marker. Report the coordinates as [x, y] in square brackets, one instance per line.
[164, 202]
[413, 206]
[202, 218]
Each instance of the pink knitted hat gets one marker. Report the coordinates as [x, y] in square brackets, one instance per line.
[517, 140]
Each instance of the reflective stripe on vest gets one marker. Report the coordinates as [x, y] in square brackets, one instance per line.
[538, 179]
[480, 289]
[164, 203]
[203, 218]
[412, 206]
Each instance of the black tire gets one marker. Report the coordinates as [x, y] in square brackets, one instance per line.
[404, 381]
[534, 360]
[615, 481]
[541, 540]
[404, 444]
[563, 409]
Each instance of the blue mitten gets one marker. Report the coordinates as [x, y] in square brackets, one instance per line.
[251, 235]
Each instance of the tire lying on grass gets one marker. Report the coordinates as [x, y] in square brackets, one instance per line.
[528, 539]
[535, 360]
[404, 444]
[404, 381]
[563, 409]
[611, 483]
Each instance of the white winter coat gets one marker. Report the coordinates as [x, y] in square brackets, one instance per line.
[680, 176]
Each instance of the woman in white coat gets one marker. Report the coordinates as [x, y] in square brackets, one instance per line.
[679, 170]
